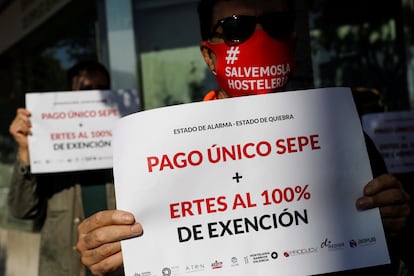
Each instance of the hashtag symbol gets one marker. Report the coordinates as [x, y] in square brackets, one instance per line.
[232, 55]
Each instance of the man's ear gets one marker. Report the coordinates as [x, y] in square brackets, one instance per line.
[208, 56]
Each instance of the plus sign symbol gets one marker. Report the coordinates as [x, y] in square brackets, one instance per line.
[237, 177]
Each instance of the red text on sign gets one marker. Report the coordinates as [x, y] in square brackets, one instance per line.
[296, 144]
[198, 207]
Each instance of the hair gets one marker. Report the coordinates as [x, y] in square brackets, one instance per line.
[90, 66]
[205, 14]
[368, 100]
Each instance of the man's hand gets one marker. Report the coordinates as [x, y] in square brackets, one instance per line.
[20, 130]
[99, 240]
[387, 193]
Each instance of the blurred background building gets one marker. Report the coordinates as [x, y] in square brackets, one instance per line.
[153, 46]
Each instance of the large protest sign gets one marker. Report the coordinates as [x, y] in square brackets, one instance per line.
[72, 130]
[393, 134]
[253, 185]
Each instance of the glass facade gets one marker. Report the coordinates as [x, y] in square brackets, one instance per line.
[171, 66]
[360, 48]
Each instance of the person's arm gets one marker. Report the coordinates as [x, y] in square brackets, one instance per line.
[99, 239]
[386, 192]
[23, 200]
[20, 129]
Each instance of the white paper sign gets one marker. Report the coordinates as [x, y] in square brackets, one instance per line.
[393, 134]
[253, 185]
[72, 130]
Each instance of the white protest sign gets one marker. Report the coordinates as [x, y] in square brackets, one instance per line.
[72, 130]
[252, 185]
[393, 134]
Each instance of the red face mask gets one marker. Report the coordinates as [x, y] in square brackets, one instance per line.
[257, 66]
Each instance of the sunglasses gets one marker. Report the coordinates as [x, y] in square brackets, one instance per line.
[239, 28]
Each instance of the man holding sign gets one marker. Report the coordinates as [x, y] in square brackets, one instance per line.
[264, 29]
[59, 201]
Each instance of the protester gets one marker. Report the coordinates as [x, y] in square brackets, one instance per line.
[256, 33]
[59, 201]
